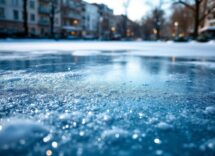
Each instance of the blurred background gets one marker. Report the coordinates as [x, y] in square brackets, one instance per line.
[179, 20]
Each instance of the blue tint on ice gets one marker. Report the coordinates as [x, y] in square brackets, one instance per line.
[106, 103]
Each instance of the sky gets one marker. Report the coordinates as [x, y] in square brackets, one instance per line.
[136, 10]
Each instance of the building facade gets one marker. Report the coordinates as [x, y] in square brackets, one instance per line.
[11, 18]
[210, 19]
[105, 15]
[49, 17]
[59, 18]
[208, 27]
[71, 16]
[90, 21]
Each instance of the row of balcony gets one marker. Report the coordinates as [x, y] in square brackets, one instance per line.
[69, 14]
[72, 15]
[43, 10]
[45, 1]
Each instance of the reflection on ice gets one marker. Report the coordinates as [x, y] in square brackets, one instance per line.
[100, 104]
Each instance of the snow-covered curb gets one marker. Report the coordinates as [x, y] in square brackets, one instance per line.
[140, 48]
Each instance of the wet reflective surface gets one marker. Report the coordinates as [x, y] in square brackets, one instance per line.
[106, 103]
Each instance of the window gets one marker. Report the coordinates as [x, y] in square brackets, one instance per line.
[15, 14]
[32, 17]
[15, 2]
[32, 4]
[2, 14]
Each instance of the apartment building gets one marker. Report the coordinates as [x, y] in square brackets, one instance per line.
[48, 9]
[11, 17]
[71, 16]
[210, 20]
[90, 21]
[105, 14]
[63, 18]
[209, 23]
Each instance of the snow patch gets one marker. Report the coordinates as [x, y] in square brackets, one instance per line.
[210, 144]
[85, 53]
[114, 133]
[164, 126]
[209, 110]
[138, 48]
[17, 130]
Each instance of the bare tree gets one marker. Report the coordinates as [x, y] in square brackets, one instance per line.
[25, 17]
[157, 16]
[183, 16]
[158, 21]
[153, 24]
[54, 8]
[146, 27]
[126, 5]
[198, 13]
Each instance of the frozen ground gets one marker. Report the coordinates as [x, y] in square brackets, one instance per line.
[107, 98]
[146, 48]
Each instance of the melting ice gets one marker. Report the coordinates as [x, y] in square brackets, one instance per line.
[106, 104]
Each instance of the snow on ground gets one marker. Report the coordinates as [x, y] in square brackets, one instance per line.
[143, 48]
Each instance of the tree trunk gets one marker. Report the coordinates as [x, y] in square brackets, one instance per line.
[158, 34]
[125, 26]
[52, 20]
[25, 17]
[196, 24]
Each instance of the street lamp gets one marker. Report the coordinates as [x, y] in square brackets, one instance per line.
[155, 31]
[176, 24]
[126, 5]
[113, 29]
[75, 22]
[100, 27]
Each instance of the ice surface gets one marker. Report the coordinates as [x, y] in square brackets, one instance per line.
[120, 100]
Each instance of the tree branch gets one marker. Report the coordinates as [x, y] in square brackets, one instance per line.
[200, 1]
[209, 11]
[185, 4]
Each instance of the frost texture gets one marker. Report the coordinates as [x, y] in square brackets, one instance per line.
[106, 104]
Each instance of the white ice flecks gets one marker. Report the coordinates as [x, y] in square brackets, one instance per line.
[157, 141]
[209, 110]
[114, 132]
[98, 104]
[81, 133]
[117, 135]
[141, 115]
[90, 113]
[159, 152]
[164, 126]
[47, 138]
[135, 136]
[83, 121]
[64, 116]
[74, 124]
[54, 144]
[210, 144]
